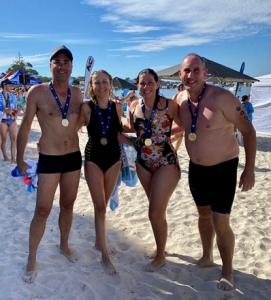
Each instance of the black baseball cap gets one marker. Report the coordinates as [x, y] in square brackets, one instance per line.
[5, 82]
[61, 49]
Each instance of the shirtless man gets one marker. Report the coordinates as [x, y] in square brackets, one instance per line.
[209, 115]
[57, 107]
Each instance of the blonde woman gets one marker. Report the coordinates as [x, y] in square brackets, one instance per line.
[102, 154]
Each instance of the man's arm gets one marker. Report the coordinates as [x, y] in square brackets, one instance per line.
[234, 112]
[22, 137]
[175, 113]
[84, 115]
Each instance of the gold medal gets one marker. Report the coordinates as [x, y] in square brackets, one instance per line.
[192, 136]
[65, 122]
[103, 141]
[148, 142]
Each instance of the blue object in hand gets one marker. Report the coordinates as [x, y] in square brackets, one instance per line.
[15, 172]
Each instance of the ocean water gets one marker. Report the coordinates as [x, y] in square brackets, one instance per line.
[262, 113]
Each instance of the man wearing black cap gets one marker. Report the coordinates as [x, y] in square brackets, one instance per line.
[8, 125]
[56, 106]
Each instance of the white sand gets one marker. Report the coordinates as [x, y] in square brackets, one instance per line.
[129, 232]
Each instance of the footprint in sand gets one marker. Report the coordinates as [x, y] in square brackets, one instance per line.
[123, 246]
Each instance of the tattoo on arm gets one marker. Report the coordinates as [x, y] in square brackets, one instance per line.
[242, 112]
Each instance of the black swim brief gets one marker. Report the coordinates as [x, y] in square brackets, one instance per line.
[214, 185]
[49, 164]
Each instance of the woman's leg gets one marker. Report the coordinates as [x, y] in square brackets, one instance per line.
[4, 133]
[13, 130]
[101, 186]
[164, 182]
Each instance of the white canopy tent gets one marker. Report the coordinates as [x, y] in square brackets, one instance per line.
[260, 92]
[260, 96]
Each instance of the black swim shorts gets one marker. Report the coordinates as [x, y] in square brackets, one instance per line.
[49, 164]
[214, 185]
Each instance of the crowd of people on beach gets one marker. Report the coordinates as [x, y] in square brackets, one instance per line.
[205, 116]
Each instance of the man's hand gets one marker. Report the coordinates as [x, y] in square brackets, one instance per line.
[23, 166]
[247, 180]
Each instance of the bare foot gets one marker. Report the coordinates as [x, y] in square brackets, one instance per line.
[226, 284]
[155, 265]
[150, 255]
[108, 266]
[111, 250]
[6, 158]
[29, 276]
[70, 255]
[205, 262]
[30, 272]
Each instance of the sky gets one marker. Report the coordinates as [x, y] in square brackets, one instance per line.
[126, 36]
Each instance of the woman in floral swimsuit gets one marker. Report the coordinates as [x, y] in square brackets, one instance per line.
[157, 163]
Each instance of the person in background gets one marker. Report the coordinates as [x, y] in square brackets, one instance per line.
[57, 107]
[248, 107]
[8, 107]
[209, 116]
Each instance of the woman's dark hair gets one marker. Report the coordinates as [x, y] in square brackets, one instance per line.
[156, 78]
[244, 98]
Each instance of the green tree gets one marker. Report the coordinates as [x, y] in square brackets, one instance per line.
[44, 78]
[19, 64]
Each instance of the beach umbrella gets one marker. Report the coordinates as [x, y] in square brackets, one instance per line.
[119, 83]
[217, 73]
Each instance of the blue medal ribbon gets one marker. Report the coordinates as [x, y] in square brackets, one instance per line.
[63, 109]
[104, 127]
[194, 115]
[7, 102]
[148, 122]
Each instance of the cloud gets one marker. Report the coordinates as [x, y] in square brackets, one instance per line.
[202, 20]
[164, 42]
[133, 56]
[38, 58]
[18, 36]
[76, 39]
[136, 29]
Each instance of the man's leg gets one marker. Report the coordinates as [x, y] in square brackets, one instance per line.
[13, 138]
[45, 196]
[69, 183]
[207, 233]
[225, 243]
[4, 133]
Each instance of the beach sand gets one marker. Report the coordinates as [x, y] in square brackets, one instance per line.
[130, 234]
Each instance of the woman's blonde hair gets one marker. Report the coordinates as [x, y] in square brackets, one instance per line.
[91, 92]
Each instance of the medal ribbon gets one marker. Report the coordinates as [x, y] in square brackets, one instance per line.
[194, 115]
[104, 127]
[7, 102]
[63, 109]
[148, 122]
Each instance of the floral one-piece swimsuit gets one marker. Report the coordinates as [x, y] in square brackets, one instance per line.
[160, 152]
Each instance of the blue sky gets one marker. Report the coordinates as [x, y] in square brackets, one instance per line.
[125, 36]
